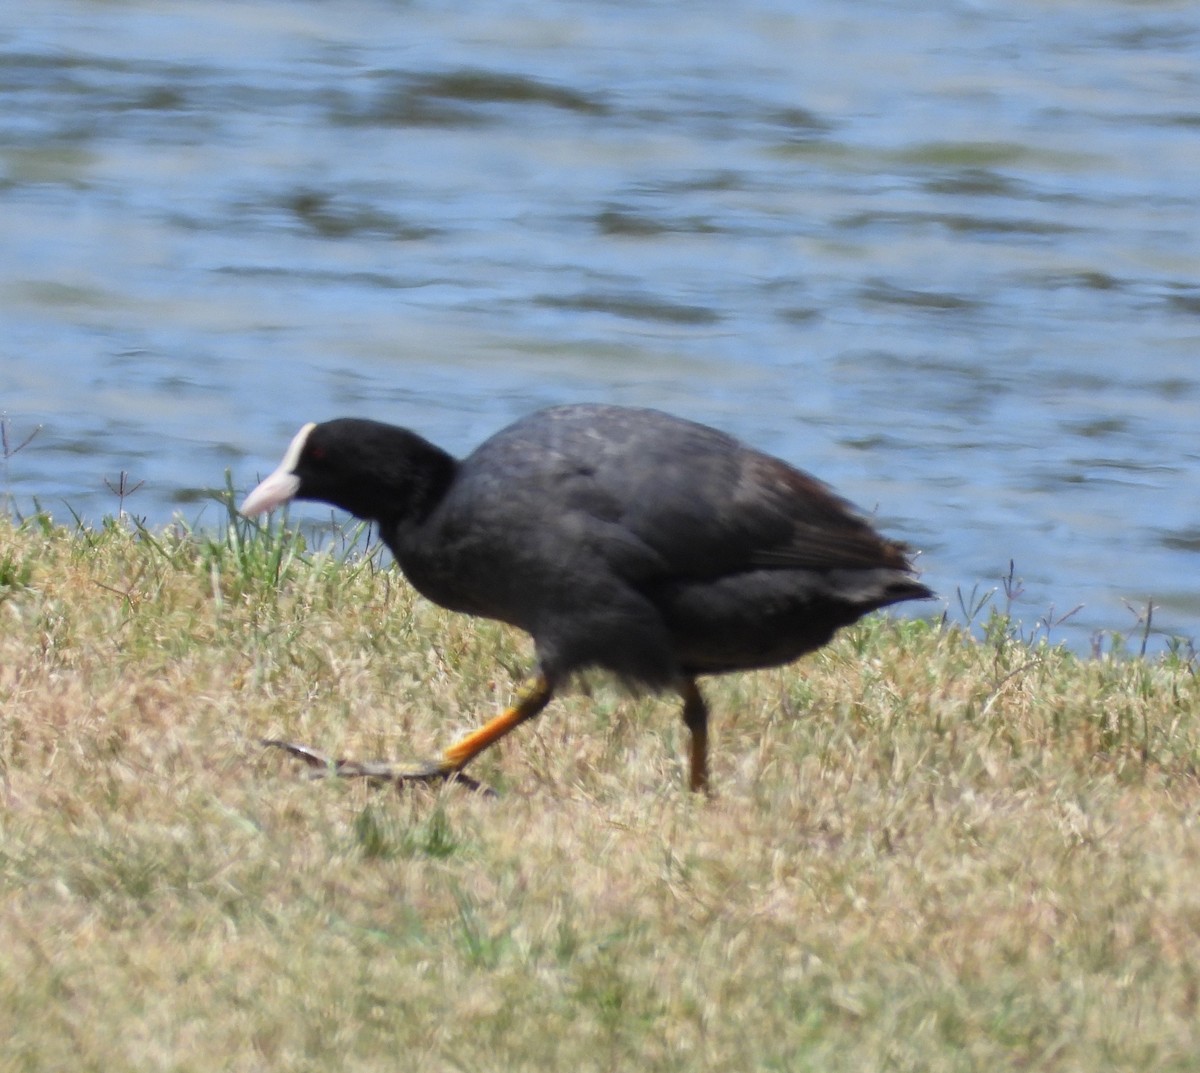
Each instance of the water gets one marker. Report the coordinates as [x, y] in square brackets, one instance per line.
[944, 255]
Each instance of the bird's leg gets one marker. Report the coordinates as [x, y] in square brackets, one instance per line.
[532, 699]
[695, 717]
[534, 696]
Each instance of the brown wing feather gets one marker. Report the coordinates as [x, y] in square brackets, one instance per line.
[823, 531]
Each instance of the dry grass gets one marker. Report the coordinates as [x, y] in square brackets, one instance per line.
[928, 852]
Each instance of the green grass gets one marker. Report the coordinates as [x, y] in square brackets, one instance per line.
[928, 851]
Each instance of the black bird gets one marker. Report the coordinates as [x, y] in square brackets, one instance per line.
[626, 539]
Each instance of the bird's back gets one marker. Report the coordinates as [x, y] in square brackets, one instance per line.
[702, 502]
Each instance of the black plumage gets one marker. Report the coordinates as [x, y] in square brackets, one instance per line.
[626, 539]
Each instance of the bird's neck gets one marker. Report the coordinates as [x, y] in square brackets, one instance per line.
[411, 491]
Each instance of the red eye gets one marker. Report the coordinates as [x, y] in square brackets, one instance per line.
[317, 454]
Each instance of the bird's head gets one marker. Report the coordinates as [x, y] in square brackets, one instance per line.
[376, 471]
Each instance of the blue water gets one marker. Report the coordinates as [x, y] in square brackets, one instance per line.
[944, 255]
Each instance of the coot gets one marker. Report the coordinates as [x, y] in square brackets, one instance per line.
[625, 539]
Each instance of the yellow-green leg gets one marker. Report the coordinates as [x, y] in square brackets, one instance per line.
[695, 716]
[532, 699]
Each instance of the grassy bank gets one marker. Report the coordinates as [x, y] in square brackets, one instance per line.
[927, 852]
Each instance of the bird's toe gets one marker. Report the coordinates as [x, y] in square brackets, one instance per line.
[320, 766]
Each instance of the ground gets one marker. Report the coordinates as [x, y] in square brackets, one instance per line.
[930, 848]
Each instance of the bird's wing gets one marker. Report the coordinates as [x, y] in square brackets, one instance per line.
[708, 506]
[655, 497]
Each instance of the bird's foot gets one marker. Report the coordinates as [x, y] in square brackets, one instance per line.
[321, 766]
